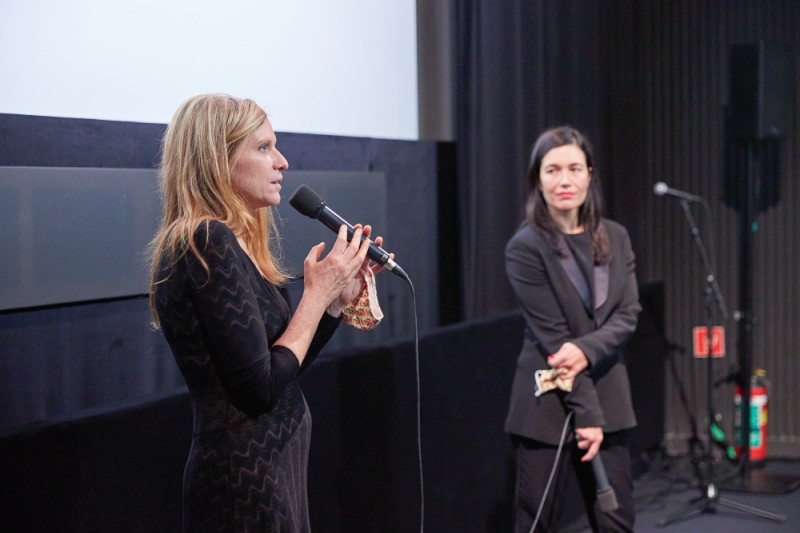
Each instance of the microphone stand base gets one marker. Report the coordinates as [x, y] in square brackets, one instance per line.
[706, 504]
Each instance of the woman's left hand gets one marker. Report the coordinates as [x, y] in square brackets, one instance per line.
[358, 284]
[589, 439]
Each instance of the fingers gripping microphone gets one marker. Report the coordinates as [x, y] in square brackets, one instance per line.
[661, 188]
[606, 497]
[309, 203]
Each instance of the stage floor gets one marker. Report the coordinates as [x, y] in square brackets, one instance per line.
[669, 485]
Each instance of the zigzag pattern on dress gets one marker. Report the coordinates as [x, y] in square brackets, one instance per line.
[244, 472]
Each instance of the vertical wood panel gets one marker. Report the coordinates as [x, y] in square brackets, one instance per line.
[683, 58]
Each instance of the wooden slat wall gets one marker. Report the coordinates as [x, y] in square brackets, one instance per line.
[678, 74]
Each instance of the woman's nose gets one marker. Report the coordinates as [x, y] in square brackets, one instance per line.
[283, 164]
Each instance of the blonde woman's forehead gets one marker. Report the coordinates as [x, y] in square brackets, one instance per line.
[264, 133]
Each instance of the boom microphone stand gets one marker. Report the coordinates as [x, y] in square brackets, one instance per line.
[710, 496]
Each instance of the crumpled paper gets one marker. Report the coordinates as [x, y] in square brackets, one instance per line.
[548, 379]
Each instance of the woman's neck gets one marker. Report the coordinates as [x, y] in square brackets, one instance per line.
[567, 222]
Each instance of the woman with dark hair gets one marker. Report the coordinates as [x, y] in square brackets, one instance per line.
[573, 274]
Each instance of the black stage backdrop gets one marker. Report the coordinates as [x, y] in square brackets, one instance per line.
[112, 459]
[121, 469]
[59, 360]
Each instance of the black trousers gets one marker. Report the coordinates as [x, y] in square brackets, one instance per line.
[534, 465]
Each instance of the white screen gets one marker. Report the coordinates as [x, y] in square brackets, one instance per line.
[316, 66]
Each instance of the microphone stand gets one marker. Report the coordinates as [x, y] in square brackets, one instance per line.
[710, 495]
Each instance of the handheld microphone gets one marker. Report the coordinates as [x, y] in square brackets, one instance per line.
[309, 203]
[606, 497]
[661, 188]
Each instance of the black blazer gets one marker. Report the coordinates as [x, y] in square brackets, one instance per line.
[555, 312]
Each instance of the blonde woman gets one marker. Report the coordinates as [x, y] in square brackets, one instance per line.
[215, 294]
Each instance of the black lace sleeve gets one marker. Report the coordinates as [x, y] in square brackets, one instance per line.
[234, 326]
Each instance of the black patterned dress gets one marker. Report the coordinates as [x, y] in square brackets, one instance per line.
[246, 469]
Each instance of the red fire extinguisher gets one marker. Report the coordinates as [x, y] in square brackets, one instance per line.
[758, 418]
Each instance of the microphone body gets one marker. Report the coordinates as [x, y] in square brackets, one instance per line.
[606, 497]
[661, 188]
[309, 203]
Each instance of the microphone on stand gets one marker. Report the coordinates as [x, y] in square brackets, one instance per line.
[661, 188]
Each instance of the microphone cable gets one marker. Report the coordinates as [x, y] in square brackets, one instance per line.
[552, 471]
[419, 408]
[418, 403]
[309, 203]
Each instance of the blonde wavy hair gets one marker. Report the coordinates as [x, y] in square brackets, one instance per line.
[199, 148]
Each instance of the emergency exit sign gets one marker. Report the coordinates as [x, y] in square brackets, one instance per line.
[700, 342]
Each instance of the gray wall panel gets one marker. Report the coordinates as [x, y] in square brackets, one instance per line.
[74, 234]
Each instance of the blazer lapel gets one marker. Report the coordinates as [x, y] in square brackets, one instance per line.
[574, 274]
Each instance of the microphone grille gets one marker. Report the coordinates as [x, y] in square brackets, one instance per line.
[660, 188]
[306, 201]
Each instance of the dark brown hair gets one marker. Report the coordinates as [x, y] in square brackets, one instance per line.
[589, 214]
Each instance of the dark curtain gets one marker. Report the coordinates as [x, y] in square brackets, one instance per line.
[521, 67]
[648, 82]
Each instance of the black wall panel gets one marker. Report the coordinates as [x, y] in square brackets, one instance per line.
[47, 352]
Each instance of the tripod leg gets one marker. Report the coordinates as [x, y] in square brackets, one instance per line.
[752, 510]
[699, 504]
